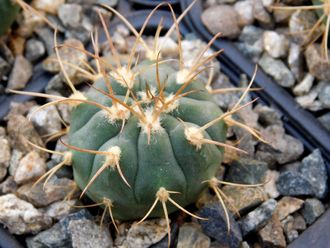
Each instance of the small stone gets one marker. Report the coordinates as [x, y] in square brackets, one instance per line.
[145, 234]
[16, 157]
[58, 235]
[70, 15]
[19, 108]
[49, 6]
[46, 120]
[34, 50]
[168, 46]
[5, 155]
[29, 22]
[8, 186]
[270, 185]
[246, 171]
[287, 205]
[221, 18]
[278, 70]
[300, 23]
[267, 115]
[313, 208]
[293, 184]
[216, 225]
[70, 56]
[325, 120]
[256, 219]
[314, 170]
[289, 230]
[243, 198]
[272, 234]
[56, 86]
[285, 147]
[267, 3]
[20, 74]
[304, 86]
[82, 32]
[42, 196]
[309, 101]
[30, 167]
[60, 209]
[86, 233]
[45, 34]
[244, 10]
[190, 235]
[224, 100]
[251, 43]
[52, 237]
[4, 68]
[299, 222]
[275, 44]
[317, 65]
[20, 131]
[20, 217]
[324, 96]
[261, 14]
[282, 16]
[296, 61]
[292, 235]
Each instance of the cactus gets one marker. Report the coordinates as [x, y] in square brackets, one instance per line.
[147, 138]
[8, 12]
[147, 148]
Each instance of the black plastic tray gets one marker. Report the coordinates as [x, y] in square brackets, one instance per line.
[153, 3]
[7, 240]
[298, 121]
[230, 69]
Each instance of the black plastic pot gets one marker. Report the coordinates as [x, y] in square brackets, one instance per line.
[298, 121]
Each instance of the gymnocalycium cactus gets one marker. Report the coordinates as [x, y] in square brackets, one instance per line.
[147, 137]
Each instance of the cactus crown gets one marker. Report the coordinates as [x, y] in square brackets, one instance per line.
[147, 137]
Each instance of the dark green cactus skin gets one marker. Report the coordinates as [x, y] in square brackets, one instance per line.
[169, 161]
[8, 12]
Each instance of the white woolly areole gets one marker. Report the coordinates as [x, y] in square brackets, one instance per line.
[149, 124]
[146, 98]
[124, 76]
[182, 76]
[67, 158]
[77, 96]
[118, 112]
[112, 159]
[170, 107]
[195, 136]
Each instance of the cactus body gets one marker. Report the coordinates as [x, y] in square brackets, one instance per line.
[167, 160]
[8, 12]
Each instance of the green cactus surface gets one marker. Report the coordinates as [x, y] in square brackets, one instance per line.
[149, 141]
[8, 12]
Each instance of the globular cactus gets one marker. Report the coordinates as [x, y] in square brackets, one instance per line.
[147, 138]
[156, 142]
[8, 12]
